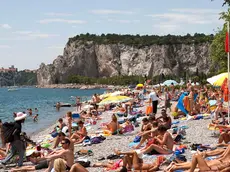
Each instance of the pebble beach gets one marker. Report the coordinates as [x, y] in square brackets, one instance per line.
[197, 132]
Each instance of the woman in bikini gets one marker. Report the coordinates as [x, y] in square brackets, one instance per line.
[132, 160]
[164, 146]
[80, 134]
[222, 162]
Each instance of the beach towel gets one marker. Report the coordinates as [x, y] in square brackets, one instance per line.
[180, 104]
[132, 144]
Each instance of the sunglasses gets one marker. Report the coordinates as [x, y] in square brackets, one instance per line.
[63, 143]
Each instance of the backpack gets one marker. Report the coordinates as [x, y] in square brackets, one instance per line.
[8, 131]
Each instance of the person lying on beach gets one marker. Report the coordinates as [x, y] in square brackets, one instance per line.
[163, 143]
[78, 168]
[47, 162]
[79, 135]
[119, 108]
[218, 164]
[148, 135]
[61, 136]
[132, 160]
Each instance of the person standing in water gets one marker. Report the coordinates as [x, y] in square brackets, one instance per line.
[78, 103]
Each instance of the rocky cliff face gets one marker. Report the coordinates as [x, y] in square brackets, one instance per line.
[94, 60]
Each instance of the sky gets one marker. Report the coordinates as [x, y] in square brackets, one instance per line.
[36, 31]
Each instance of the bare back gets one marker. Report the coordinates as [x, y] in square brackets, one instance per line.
[169, 141]
[68, 156]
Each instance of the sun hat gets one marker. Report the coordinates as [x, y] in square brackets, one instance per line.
[20, 116]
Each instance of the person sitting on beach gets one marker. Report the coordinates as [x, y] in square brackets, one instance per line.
[218, 164]
[113, 126]
[164, 143]
[164, 119]
[146, 125]
[47, 162]
[61, 136]
[35, 118]
[79, 135]
[61, 124]
[224, 136]
[219, 111]
[148, 134]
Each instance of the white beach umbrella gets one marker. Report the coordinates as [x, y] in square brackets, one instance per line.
[87, 107]
[117, 93]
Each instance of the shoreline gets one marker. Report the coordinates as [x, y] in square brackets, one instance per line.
[79, 86]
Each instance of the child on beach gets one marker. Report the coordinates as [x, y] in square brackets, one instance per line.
[35, 118]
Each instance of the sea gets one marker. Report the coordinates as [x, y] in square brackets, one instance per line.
[44, 100]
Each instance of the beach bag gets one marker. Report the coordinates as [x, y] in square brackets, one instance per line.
[96, 140]
[149, 110]
[8, 131]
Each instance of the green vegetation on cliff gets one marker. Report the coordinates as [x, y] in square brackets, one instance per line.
[145, 40]
[132, 80]
[18, 78]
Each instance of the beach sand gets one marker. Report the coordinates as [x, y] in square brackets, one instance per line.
[196, 133]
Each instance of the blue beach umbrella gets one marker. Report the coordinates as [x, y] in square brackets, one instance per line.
[169, 82]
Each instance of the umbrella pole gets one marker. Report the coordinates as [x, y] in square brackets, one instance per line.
[228, 76]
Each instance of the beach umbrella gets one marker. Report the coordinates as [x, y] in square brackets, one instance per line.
[103, 96]
[114, 99]
[87, 107]
[117, 93]
[169, 82]
[140, 85]
[221, 79]
[217, 78]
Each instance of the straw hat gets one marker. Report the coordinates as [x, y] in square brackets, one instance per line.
[20, 116]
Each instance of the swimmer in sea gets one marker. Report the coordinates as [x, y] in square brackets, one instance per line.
[35, 118]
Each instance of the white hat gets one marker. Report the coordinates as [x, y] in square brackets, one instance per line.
[20, 116]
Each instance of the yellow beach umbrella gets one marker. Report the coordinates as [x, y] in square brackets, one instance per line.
[114, 99]
[140, 85]
[103, 96]
[220, 79]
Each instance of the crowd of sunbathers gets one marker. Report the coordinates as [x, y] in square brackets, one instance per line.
[154, 136]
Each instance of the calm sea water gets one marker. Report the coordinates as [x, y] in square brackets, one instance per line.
[43, 99]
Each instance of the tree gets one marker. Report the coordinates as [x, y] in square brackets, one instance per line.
[218, 54]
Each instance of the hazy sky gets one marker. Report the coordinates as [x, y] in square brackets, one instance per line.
[36, 31]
